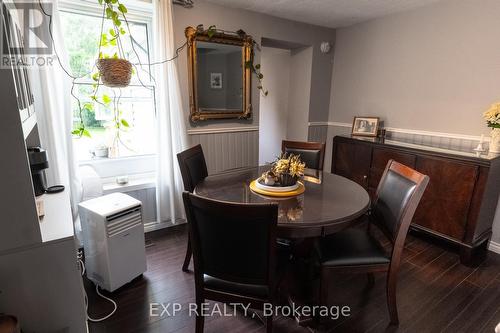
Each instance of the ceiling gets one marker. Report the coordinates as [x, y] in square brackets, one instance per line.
[327, 13]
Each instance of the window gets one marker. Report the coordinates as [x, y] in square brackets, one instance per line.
[122, 122]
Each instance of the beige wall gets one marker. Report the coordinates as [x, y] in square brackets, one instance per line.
[287, 108]
[436, 68]
[260, 25]
[299, 95]
[272, 125]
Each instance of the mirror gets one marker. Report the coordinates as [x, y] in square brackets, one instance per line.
[220, 86]
[219, 80]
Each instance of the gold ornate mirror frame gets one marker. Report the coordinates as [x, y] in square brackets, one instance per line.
[245, 41]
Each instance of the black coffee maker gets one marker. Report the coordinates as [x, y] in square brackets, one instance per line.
[38, 163]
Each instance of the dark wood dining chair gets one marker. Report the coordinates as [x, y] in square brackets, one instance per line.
[311, 153]
[193, 170]
[355, 250]
[234, 252]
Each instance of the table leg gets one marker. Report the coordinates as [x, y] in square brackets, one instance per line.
[298, 285]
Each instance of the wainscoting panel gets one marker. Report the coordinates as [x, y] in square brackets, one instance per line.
[318, 133]
[460, 144]
[465, 143]
[228, 150]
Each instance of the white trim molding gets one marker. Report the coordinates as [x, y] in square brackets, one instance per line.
[329, 123]
[214, 130]
[494, 247]
[137, 9]
[406, 131]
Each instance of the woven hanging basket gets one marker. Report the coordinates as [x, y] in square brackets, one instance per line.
[115, 73]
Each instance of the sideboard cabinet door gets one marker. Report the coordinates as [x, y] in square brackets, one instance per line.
[379, 162]
[445, 204]
[352, 160]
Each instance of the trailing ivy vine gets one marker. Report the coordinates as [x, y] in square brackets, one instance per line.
[116, 11]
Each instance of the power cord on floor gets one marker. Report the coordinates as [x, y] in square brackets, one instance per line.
[115, 306]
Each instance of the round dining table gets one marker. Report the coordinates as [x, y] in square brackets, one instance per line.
[330, 203]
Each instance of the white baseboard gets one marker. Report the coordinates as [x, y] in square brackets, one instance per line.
[494, 247]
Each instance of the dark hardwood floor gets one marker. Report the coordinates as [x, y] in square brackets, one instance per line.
[435, 294]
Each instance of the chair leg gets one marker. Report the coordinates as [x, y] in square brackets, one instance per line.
[200, 320]
[323, 288]
[269, 324]
[187, 259]
[391, 298]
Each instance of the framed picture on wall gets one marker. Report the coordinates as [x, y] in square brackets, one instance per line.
[216, 80]
[365, 126]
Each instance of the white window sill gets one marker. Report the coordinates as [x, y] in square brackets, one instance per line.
[135, 167]
[136, 182]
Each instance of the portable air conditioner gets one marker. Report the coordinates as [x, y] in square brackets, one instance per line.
[113, 239]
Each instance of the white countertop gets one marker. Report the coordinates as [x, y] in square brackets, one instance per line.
[58, 221]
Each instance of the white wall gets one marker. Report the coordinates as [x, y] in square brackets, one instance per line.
[436, 68]
[274, 108]
[285, 113]
[300, 94]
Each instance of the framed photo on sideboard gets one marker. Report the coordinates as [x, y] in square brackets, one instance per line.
[365, 126]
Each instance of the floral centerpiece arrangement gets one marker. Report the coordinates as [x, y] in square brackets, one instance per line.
[492, 117]
[286, 170]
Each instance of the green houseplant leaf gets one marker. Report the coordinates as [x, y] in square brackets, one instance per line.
[211, 31]
[106, 99]
[122, 8]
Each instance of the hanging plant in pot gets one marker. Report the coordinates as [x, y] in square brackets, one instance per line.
[492, 117]
[114, 71]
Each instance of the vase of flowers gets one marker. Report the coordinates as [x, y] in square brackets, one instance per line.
[287, 180]
[288, 169]
[492, 117]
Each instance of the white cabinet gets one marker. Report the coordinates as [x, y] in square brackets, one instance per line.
[42, 287]
[40, 282]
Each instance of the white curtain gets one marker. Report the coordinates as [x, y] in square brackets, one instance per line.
[54, 112]
[171, 129]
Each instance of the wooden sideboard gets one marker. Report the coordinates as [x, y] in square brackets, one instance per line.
[460, 201]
